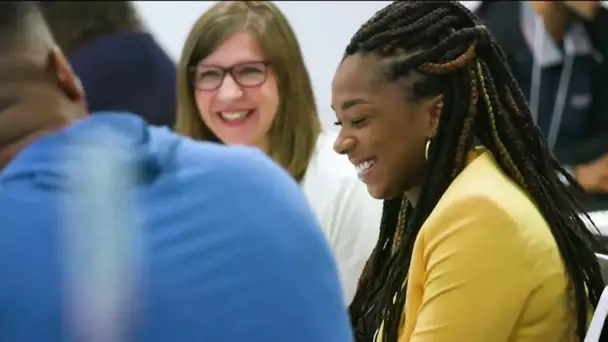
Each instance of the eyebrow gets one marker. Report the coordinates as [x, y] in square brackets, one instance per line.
[243, 62]
[351, 103]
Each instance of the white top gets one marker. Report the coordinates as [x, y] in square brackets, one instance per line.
[600, 218]
[599, 318]
[349, 216]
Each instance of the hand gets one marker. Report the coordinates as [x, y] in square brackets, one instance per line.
[586, 9]
[593, 177]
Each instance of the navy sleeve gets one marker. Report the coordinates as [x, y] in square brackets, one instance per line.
[595, 144]
[265, 270]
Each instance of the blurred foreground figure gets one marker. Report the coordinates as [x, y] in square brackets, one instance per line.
[216, 244]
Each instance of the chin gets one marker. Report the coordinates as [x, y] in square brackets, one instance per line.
[377, 192]
[384, 192]
[231, 139]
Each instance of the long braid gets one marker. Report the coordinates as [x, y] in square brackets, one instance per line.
[363, 312]
[465, 136]
[491, 103]
[572, 246]
[446, 43]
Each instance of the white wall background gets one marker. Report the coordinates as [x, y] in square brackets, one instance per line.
[323, 29]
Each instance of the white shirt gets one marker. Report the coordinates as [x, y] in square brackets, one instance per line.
[349, 216]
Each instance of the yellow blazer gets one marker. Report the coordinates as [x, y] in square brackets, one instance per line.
[485, 267]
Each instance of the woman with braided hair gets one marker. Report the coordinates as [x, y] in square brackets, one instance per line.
[478, 244]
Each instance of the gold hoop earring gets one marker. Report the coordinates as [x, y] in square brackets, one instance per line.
[426, 149]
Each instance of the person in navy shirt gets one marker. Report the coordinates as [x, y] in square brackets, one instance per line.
[558, 52]
[113, 230]
[120, 63]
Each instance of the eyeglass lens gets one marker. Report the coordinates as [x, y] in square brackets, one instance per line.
[246, 75]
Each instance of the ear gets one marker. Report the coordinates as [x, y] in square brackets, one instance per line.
[67, 81]
[434, 107]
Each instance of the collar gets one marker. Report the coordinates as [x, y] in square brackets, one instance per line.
[546, 52]
[476, 152]
[49, 154]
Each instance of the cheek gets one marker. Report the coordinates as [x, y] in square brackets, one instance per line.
[203, 104]
[407, 156]
[399, 143]
[267, 96]
[392, 139]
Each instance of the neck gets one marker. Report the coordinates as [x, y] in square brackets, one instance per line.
[413, 192]
[9, 152]
[554, 16]
[28, 121]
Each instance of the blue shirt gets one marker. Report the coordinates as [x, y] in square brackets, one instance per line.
[228, 248]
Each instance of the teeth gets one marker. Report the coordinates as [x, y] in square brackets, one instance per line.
[364, 166]
[234, 116]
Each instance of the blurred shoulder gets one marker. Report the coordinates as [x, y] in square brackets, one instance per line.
[240, 163]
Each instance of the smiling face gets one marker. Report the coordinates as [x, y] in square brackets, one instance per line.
[383, 133]
[242, 109]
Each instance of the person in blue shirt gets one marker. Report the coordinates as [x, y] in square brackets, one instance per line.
[113, 230]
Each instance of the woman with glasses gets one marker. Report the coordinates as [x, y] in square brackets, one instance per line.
[242, 80]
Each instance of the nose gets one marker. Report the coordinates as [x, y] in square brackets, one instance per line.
[229, 90]
[344, 144]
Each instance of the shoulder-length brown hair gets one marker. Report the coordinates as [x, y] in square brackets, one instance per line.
[293, 135]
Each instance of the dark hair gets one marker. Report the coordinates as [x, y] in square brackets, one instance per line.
[75, 23]
[12, 14]
[457, 57]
